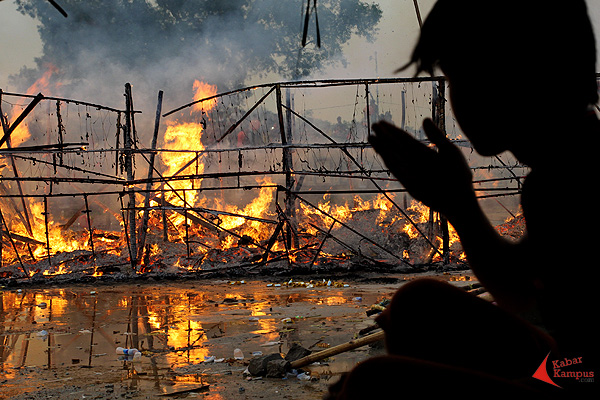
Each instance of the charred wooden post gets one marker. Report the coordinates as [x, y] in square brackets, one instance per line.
[61, 132]
[7, 130]
[367, 175]
[164, 214]
[187, 229]
[128, 143]
[439, 118]
[325, 237]
[14, 245]
[146, 212]
[45, 213]
[118, 164]
[89, 222]
[127, 231]
[287, 168]
[236, 124]
[290, 139]
[21, 117]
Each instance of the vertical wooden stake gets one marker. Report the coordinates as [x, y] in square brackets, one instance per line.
[47, 234]
[129, 171]
[164, 214]
[287, 168]
[146, 212]
[89, 222]
[14, 245]
[440, 121]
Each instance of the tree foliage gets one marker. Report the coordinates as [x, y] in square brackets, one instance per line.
[163, 41]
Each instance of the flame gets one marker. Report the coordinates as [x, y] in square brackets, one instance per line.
[259, 207]
[186, 136]
[181, 137]
[21, 133]
[204, 90]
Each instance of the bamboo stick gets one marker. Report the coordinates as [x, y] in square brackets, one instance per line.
[12, 242]
[146, 212]
[21, 117]
[129, 170]
[236, 124]
[351, 345]
[89, 222]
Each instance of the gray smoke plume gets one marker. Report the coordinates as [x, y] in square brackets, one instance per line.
[166, 45]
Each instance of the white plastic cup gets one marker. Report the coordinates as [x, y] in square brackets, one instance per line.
[238, 355]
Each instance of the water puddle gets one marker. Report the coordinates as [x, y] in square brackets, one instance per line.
[190, 335]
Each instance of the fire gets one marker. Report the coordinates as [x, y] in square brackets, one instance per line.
[232, 220]
[188, 135]
[21, 133]
[344, 212]
[420, 214]
[259, 207]
[204, 90]
[181, 137]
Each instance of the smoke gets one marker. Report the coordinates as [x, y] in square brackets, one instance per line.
[167, 45]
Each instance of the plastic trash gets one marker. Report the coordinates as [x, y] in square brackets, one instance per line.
[238, 355]
[303, 376]
[208, 359]
[135, 353]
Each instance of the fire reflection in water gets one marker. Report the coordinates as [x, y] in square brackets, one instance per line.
[173, 326]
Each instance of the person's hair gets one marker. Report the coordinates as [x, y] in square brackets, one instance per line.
[538, 39]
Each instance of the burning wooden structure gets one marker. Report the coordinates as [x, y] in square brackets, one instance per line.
[260, 177]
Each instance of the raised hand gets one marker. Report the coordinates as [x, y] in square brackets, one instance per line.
[441, 178]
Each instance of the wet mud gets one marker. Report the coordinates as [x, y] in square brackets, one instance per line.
[196, 338]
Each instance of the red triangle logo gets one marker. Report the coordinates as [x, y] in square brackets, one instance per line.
[542, 374]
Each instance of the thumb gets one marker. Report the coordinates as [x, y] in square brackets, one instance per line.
[434, 134]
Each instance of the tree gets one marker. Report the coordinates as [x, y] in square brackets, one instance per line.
[168, 43]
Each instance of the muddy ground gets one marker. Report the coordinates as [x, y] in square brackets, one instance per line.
[60, 341]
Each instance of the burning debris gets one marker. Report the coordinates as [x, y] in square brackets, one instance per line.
[238, 183]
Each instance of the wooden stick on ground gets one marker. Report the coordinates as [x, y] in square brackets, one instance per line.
[351, 345]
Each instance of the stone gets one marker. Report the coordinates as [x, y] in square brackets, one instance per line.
[277, 368]
[296, 352]
[258, 365]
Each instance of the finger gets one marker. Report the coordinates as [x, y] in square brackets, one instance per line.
[434, 134]
[390, 135]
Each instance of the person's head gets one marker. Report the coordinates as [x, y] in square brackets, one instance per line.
[511, 61]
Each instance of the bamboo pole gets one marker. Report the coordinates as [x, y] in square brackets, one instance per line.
[14, 245]
[46, 229]
[367, 175]
[21, 117]
[332, 351]
[89, 222]
[7, 131]
[129, 170]
[236, 124]
[287, 168]
[146, 212]
[325, 236]
[354, 231]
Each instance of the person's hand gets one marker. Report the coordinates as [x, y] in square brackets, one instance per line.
[440, 179]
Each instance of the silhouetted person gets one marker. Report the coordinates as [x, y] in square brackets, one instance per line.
[522, 79]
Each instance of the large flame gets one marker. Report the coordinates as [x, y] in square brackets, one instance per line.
[21, 133]
[183, 162]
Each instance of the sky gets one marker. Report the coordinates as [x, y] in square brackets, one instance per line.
[398, 31]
